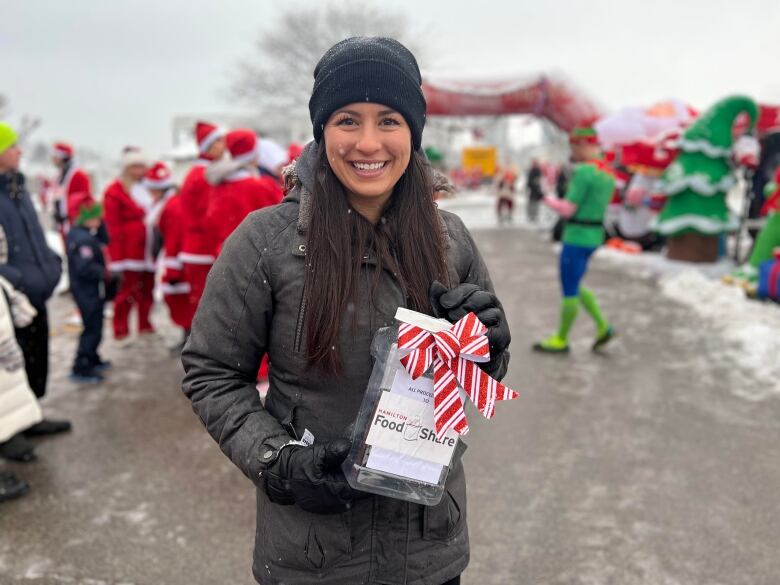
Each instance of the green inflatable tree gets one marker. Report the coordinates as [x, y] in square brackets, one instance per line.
[696, 183]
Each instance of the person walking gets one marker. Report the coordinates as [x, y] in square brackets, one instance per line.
[125, 203]
[535, 191]
[308, 282]
[587, 196]
[32, 267]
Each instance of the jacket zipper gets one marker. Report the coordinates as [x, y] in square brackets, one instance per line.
[299, 325]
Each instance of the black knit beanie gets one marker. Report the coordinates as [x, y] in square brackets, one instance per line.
[368, 69]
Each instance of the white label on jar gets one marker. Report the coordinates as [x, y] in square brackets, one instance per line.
[405, 425]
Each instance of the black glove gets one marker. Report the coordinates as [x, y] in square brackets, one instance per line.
[311, 477]
[469, 298]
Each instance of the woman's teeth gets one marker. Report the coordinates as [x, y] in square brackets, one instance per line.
[368, 166]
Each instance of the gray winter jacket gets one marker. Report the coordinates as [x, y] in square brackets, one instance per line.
[253, 305]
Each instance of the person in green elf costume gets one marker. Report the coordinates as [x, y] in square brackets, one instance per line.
[696, 183]
[583, 208]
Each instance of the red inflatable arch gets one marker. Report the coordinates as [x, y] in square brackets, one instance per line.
[545, 97]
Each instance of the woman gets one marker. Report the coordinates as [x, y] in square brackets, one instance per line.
[309, 282]
[19, 409]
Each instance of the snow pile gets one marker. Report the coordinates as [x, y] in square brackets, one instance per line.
[655, 265]
[753, 328]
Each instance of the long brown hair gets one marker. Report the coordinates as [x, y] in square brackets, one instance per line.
[407, 241]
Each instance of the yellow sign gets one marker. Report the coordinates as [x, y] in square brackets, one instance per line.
[483, 158]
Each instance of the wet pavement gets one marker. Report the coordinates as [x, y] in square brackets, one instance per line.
[653, 464]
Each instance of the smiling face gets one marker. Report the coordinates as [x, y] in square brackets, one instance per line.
[368, 147]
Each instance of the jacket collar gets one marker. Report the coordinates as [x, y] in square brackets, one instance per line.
[12, 183]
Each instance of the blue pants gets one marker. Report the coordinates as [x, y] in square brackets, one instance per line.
[573, 266]
[92, 316]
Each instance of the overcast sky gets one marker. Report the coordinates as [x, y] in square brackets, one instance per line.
[106, 73]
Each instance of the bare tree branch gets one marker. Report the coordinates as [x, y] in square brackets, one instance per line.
[279, 76]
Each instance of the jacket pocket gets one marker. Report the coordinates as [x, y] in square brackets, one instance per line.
[446, 520]
[296, 539]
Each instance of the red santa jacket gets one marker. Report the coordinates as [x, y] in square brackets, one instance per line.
[124, 220]
[197, 246]
[236, 197]
[171, 227]
[75, 183]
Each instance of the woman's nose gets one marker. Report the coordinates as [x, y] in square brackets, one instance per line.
[369, 141]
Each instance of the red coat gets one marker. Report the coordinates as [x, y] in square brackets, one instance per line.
[235, 198]
[124, 220]
[197, 246]
[171, 226]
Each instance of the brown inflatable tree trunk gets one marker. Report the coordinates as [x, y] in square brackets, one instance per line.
[692, 247]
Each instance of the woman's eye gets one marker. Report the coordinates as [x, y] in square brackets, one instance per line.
[390, 122]
[346, 121]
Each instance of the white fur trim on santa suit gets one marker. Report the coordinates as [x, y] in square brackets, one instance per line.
[130, 266]
[239, 175]
[60, 154]
[248, 157]
[172, 262]
[210, 139]
[180, 288]
[200, 259]
[165, 183]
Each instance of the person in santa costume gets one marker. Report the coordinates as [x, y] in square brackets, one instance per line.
[71, 181]
[126, 203]
[197, 252]
[237, 190]
[167, 220]
[584, 208]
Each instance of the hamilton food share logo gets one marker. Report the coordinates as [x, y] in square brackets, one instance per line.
[411, 428]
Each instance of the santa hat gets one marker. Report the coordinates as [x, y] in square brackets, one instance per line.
[206, 134]
[86, 208]
[158, 177]
[242, 145]
[62, 150]
[294, 151]
[132, 155]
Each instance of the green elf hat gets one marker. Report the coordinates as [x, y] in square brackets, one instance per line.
[584, 135]
[88, 209]
[7, 137]
[712, 133]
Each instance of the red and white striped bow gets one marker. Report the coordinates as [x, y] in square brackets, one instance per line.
[455, 354]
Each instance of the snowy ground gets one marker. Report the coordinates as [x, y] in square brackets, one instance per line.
[653, 464]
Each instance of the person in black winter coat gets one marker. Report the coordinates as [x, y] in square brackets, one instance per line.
[28, 263]
[87, 271]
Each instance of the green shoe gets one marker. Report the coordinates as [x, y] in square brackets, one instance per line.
[604, 339]
[552, 344]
